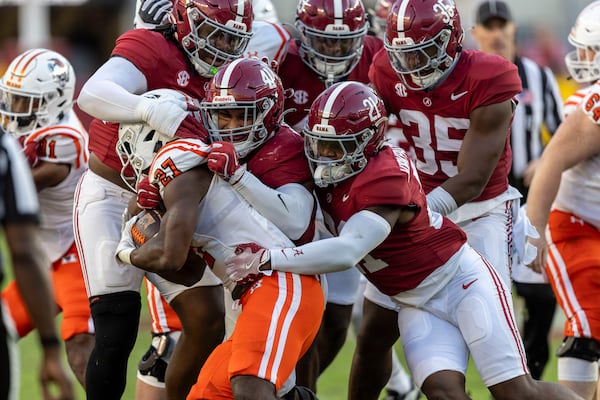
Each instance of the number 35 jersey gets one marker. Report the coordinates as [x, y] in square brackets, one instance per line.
[435, 122]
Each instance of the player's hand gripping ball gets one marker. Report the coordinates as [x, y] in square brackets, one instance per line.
[146, 227]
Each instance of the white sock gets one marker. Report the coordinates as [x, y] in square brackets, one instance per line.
[399, 381]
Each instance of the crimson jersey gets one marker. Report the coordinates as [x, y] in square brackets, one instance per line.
[435, 122]
[279, 161]
[307, 85]
[163, 64]
[412, 250]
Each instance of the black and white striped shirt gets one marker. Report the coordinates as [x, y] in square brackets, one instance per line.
[18, 196]
[540, 104]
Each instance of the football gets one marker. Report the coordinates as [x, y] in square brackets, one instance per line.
[146, 227]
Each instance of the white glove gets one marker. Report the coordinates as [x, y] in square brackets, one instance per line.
[153, 12]
[126, 245]
[522, 230]
[164, 114]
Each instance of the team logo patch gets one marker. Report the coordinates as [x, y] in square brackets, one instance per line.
[400, 89]
[183, 78]
[300, 97]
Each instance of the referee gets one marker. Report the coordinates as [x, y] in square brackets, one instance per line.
[540, 105]
[19, 218]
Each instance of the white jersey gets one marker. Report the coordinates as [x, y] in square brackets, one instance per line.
[225, 219]
[579, 191]
[270, 40]
[64, 143]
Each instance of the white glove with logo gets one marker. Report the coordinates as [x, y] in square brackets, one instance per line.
[165, 114]
[522, 230]
[126, 245]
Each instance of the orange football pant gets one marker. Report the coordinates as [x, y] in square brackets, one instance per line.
[573, 269]
[280, 318]
[69, 294]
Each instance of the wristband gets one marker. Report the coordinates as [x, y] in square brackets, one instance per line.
[125, 256]
[50, 341]
[440, 201]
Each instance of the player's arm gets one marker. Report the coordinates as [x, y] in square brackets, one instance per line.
[577, 139]
[363, 232]
[47, 174]
[481, 149]
[110, 93]
[168, 250]
[290, 207]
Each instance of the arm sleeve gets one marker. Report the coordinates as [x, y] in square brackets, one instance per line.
[289, 207]
[109, 94]
[363, 232]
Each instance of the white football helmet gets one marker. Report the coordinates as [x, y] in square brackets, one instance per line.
[36, 91]
[138, 143]
[584, 62]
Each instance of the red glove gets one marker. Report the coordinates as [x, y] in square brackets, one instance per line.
[245, 265]
[223, 161]
[147, 194]
[33, 151]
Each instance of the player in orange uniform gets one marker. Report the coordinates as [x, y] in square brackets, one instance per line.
[37, 98]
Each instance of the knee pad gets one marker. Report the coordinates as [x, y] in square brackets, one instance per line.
[577, 370]
[154, 363]
[587, 349]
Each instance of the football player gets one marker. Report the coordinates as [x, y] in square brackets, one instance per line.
[37, 98]
[455, 108]
[269, 39]
[563, 203]
[451, 301]
[280, 315]
[183, 55]
[333, 45]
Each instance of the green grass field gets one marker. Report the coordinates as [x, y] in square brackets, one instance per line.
[332, 385]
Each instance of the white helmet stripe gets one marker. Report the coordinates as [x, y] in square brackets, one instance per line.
[401, 14]
[240, 11]
[338, 12]
[331, 101]
[227, 75]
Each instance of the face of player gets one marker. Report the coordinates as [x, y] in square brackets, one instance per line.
[333, 149]
[334, 47]
[219, 40]
[18, 111]
[234, 118]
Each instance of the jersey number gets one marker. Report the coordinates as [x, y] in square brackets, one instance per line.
[426, 158]
[167, 172]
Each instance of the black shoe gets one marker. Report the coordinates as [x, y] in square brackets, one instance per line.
[413, 394]
[300, 393]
